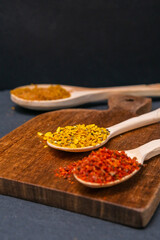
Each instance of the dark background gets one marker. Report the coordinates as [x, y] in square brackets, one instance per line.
[79, 42]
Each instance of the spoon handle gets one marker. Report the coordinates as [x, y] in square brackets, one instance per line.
[136, 122]
[149, 150]
[135, 90]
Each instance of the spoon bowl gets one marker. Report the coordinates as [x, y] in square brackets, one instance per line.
[84, 149]
[82, 95]
[132, 123]
[142, 153]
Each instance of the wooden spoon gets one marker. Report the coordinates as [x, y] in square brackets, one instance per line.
[80, 95]
[142, 154]
[125, 126]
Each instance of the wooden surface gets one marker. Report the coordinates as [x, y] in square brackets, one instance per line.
[27, 169]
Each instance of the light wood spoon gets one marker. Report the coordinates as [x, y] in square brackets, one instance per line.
[125, 126]
[142, 154]
[81, 95]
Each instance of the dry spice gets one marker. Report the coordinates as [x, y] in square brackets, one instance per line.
[41, 93]
[43, 139]
[66, 172]
[102, 166]
[77, 136]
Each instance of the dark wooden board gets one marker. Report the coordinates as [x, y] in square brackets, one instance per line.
[27, 169]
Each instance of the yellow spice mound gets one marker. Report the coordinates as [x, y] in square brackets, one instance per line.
[41, 93]
[76, 136]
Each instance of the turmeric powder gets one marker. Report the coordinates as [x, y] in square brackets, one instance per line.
[53, 92]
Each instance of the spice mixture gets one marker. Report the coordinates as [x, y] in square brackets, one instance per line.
[77, 136]
[106, 166]
[102, 166]
[41, 93]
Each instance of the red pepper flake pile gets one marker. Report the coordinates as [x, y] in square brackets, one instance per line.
[66, 172]
[102, 166]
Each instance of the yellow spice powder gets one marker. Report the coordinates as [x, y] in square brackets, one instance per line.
[76, 136]
[41, 93]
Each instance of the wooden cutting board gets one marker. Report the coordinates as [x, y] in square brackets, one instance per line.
[27, 168]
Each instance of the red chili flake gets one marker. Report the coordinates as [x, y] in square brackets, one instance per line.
[105, 166]
[66, 172]
[102, 166]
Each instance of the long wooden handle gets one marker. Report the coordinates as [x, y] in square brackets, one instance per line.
[136, 122]
[149, 150]
[94, 94]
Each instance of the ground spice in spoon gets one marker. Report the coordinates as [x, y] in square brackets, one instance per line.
[77, 136]
[102, 166]
[53, 92]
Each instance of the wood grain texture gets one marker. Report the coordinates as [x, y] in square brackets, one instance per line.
[27, 169]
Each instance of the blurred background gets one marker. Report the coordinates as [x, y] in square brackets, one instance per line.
[94, 43]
